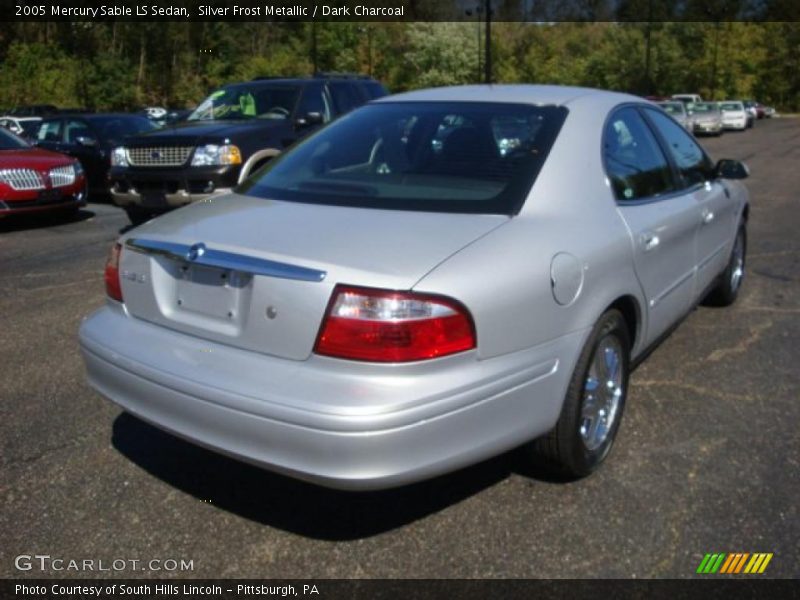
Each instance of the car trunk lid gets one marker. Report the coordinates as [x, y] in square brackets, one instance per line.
[258, 274]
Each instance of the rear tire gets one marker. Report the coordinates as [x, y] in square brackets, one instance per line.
[727, 290]
[594, 403]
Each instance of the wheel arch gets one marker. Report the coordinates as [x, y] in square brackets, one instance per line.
[628, 305]
[255, 160]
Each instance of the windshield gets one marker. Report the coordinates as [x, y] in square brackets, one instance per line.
[731, 106]
[704, 107]
[673, 108]
[465, 157]
[247, 102]
[9, 141]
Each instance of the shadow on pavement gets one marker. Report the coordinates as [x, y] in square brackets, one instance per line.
[296, 506]
[42, 220]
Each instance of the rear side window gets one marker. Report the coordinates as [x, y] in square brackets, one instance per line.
[50, 131]
[693, 164]
[457, 157]
[635, 164]
[75, 129]
[314, 100]
[345, 96]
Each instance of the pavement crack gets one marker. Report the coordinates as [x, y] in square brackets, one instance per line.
[742, 345]
[692, 387]
[26, 460]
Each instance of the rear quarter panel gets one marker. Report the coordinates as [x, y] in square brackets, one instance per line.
[504, 279]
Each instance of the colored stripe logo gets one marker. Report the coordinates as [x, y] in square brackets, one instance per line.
[734, 563]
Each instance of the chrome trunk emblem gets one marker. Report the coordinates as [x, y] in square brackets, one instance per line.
[196, 251]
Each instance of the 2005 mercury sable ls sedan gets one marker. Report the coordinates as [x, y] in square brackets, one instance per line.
[431, 280]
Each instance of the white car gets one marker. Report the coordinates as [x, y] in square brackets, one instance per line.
[734, 115]
[24, 127]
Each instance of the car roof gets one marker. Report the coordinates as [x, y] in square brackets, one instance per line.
[93, 116]
[513, 93]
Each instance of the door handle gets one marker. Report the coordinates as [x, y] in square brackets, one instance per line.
[708, 216]
[649, 241]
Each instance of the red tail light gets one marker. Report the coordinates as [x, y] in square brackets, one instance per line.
[386, 326]
[113, 287]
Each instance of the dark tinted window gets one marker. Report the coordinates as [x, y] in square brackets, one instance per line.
[693, 164]
[345, 96]
[636, 166]
[8, 141]
[429, 156]
[372, 89]
[116, 128]
[74, 129]
[314, 100]
[49, 131]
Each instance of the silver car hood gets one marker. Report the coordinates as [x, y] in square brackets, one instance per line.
[387, 248]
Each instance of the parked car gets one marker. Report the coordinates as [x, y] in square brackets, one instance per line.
[687, 98]
[678, 112]
[734, 115]
[707, 118]
[25, 127]
[373, 309]
[36, 180]
[90, 138]
[232, 133]
[750, 107]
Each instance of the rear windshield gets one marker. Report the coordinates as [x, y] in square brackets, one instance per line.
[731, 106]
[9, 141]
[673, 108]
[468, 157]
[705, 107]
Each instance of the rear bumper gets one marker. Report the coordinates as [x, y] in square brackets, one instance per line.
[336, 423]
[708, 127]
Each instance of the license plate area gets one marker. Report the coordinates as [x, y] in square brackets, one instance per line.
[49, 196]
[154, 199]
[210, 292]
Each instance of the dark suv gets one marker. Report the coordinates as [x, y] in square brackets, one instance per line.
[232, 133]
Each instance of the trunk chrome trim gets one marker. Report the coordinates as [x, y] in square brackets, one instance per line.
[199, 254]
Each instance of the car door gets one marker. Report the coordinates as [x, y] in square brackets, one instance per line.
[81, 141]
[661, 220]
[715, 210]
[49, 135]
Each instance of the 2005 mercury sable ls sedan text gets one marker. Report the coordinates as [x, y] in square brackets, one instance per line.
[431, 280]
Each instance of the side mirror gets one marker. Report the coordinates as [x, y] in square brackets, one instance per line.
[309, 119]
[86, 141]
[728, 168]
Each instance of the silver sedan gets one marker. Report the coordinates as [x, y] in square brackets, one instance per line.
[431, 280]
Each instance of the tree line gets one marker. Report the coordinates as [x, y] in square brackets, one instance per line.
[125, 65]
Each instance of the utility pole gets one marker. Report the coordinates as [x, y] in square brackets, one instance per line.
[713, 85]
[314, 45]
[648, 87]
[488, 63]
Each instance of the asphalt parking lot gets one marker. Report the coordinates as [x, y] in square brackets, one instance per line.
[707, 460]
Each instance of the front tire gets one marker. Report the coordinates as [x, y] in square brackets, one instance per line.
[727, 290]
[594, 403]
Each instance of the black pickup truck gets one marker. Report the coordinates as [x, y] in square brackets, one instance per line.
[232, 133]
